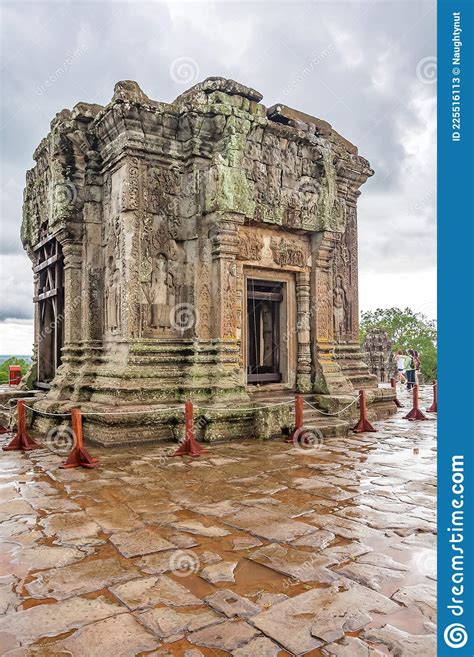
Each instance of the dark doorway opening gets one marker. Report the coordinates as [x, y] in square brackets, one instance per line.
[264, 300]
[50, 299]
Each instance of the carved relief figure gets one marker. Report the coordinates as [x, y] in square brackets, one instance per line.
[340, 308]
[113, 301]
[160, 291]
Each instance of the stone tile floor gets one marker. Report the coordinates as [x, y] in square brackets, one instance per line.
[257, 549]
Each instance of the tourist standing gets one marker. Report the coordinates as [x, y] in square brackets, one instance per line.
[401, 366]
[410, 369]
[417, 360]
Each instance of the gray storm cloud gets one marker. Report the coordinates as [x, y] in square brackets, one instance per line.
[355, 64]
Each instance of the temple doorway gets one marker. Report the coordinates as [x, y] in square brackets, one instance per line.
[264, 311]
[50, 299]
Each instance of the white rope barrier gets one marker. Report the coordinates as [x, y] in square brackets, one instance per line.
[331, 414]
[250, 408]
[197, 407]
[35, 410]
[152, 410]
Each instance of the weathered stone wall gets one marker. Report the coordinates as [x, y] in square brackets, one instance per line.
[162, 210]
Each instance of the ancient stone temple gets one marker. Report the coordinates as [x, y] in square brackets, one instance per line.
[379, 355]
[203, 249]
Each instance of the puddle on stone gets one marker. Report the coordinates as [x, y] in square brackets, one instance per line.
[153, 490]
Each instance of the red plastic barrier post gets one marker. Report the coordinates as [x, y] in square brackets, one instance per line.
[298, 419]
[363, 424]
[21, 439]
[415, 413]
[14, 375]
[79, 457]
[393, 383]
[434, 406]
[190, 446]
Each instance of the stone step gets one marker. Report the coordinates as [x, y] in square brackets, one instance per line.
[328, 426]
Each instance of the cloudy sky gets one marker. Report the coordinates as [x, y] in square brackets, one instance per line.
[367, 67]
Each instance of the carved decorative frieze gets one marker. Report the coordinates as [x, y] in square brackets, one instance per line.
[288, 253]
[131, 188]
[324, 305]
[250, 246]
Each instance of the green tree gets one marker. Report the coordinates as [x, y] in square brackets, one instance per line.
[24, 364]
[406, 330]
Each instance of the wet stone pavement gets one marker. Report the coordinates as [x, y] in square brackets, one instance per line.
[258, 549]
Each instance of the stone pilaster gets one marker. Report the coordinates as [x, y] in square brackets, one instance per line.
[130, 221]
[303, 366]
[72, 252]
[327, 375]
[224, 238]
[93, 256]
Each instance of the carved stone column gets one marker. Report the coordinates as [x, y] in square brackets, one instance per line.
[93, 284]
[73, 252]
[224, 236]
[352, 244]
[323, 245]
[131, 220]
[226, 376]
[303, 366]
